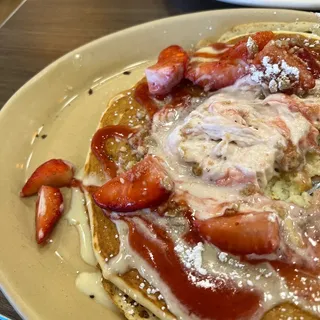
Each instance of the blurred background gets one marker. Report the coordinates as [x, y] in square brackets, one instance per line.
[33, 33]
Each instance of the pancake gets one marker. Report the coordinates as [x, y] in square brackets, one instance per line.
[104, 232]
[129, 290]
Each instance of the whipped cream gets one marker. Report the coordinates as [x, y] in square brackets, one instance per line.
[235, 137]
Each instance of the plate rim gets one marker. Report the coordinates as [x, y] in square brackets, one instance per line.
[313, 4]
[9, 291]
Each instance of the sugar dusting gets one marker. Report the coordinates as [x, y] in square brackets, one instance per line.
[191, 257]
[275, 76]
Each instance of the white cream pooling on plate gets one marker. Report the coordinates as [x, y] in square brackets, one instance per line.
[90, 284]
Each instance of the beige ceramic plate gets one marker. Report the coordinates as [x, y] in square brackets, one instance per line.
[41, 281]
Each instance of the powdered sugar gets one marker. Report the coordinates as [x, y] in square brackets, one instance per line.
[141, 285]
[275, 76]
[252, 46]
[206, 283]
[223, 256]
[192, 257]
[272, 217]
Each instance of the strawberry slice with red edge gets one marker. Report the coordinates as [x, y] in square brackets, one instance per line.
[215, 75]
[278, 55]
[242, 234]
[146, 185]
[311, 61]
[55, 173]
[168, 71]
[240, 49]
[229, 66]
[49, 208]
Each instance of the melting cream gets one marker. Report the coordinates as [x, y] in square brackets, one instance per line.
[90, 284]
[214, 262]
[237, 135]
[201, 194]
[77, 216]
[128, 258]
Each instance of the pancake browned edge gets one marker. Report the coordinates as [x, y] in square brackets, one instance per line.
[124, 289]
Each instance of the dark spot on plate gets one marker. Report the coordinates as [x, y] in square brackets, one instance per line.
[126, 73]
[91, 296]
[144, 314]
[90, 92]
[37, 136]
[44, 136]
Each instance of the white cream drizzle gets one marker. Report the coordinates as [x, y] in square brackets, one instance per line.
[77, 216]
[214, 262]
[90, 284]
[201, 195]
[209, 50]
[93, 179]
[233, 131]
[128, 258]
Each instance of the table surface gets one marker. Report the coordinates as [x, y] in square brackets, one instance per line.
[42, 31]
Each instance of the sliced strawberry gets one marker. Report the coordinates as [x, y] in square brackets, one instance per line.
[49, 208]
[168, 71]
[55, 173]
[215, 75]
[229, 66]
[254, 232]
[278, 54]
[214, 52]
[262, 38]
[234, 177]
[310, 60]
[240, 50]
[142, 96]
[146, 185]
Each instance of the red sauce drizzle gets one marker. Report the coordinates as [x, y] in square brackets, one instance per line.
[311, 61]
[179, 95]
[304, 283]
[143, 97]
[225, 302]
[192, 236]
[98, 145]
[221, 46]
[76, 183]
[216, 46]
